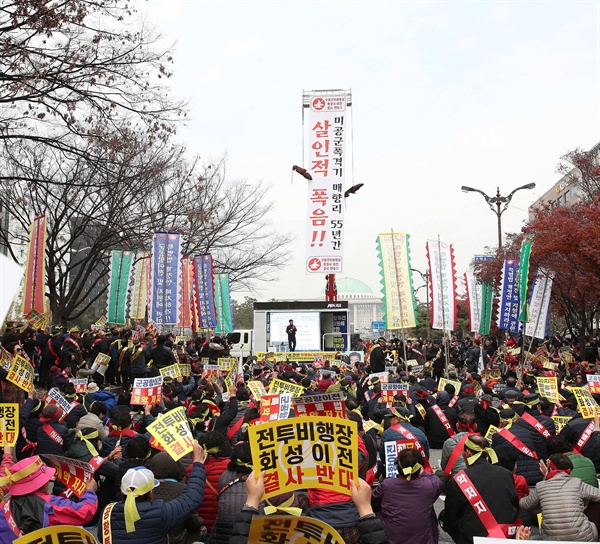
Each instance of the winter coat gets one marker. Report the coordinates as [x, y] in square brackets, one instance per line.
[485, 418]
[583, 468]
[157, 517]
[496, 487]
[434, 429]
[391, 435]
[399, 502]
[73, 417]
[42, 510]
[572, 432]
[215, 467]
[48, 446]
[561, 499]
[31, 424]
[449, 445]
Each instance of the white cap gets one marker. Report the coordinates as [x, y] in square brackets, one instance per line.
[137, 477]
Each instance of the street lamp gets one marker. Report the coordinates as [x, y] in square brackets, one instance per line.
[498, 201]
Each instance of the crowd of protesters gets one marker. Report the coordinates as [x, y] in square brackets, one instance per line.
[493, 486]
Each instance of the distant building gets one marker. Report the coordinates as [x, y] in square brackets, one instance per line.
[563, 193]
[364, 306]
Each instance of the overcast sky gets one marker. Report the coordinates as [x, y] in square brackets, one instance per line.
[445, 94]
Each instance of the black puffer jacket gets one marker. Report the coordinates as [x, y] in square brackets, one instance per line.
[572, 432]
[434, 428]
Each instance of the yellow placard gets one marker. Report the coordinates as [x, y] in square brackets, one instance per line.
[102, 359]
[185, 369]
[183, 339]
[456, 383]
[171, 371]
[297, 355]
[101, 321]
[548, 387]
[280, 386]
[230, 379]
[587, 405]
[57, 535]
[257, 389]
[21, 373]
[226, 363]
[6, 360]
[36, 319]
[491, 432]
[307, 452]
[546, 363]
[9, 424]
[172, 432]
[292, 530]
[560, 422]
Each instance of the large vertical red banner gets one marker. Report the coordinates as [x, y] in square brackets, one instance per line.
[185, 310]
[34, 291]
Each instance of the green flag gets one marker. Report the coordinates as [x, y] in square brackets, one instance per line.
[522, 278]
[485, 321]
[223, 304]
[120, 270]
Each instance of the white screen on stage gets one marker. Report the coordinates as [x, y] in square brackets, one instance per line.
[308, 337]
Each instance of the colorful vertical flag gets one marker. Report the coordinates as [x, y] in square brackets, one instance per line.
[139, 292]
[399, 308]
[442, 283]
[327, 118]
[166, 278]
[185, 310]
[120, 272]
[473, 300]
[203, 272]
[524, 257]
[223, 304]
[487, 297]
[34, 288]
[539, 304]
[508, 319]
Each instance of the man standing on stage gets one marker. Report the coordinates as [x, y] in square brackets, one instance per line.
[291, 331]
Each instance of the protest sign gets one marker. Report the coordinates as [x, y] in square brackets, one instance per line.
[226, 363]
[257, 389]
[185, 370]
[383, 376]
[292, 530]
[54, 397]
[6, 359]
[9, 424]
[60, 534]
[171, 371]
[280, 386]
[101, 363]
[275, 407]
[593, 382]
[415, 369]
[183, 339]
[548, 387]
[21, 373]
[147, 390]
[549, 365]
[370, 424]
[456, 383]
[388, 390]
[587, 405]
[172, 432]
[492, 430]
[80, 384]
[73, 473]
[392, 449]
[308, 452]
[491, 373]
[36, 319]
[560, 422]
[391, 370]
[326, 404]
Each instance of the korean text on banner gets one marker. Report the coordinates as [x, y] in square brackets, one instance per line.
[388, 390]
[442, 285]
[275, 407]
[560, 422]
[36, 319]
[165, 282]
[223, 304]
[73, 473]
[101, 363]
[139, 292]
[204, 296]
[21, 373]
[147, 390]
[307, 452]
[473, 300]
[548, 388]
[456, 383]
[292, 530]
[257, 389]
[54, 397]
[281, 386]
[593, 383]
[58, 535]
[171, 371]
[80, 384]
[118, 286]
[172, 432]
[587, 405]
[226, 363]
[327, 120]
[34, 286]
[9, 424]
[326, 404]
[185, 300]
[392, 449]
[399, 307]
[508, 318]
[539, 305]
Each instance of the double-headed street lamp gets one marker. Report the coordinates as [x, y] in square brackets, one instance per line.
[498, 202]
